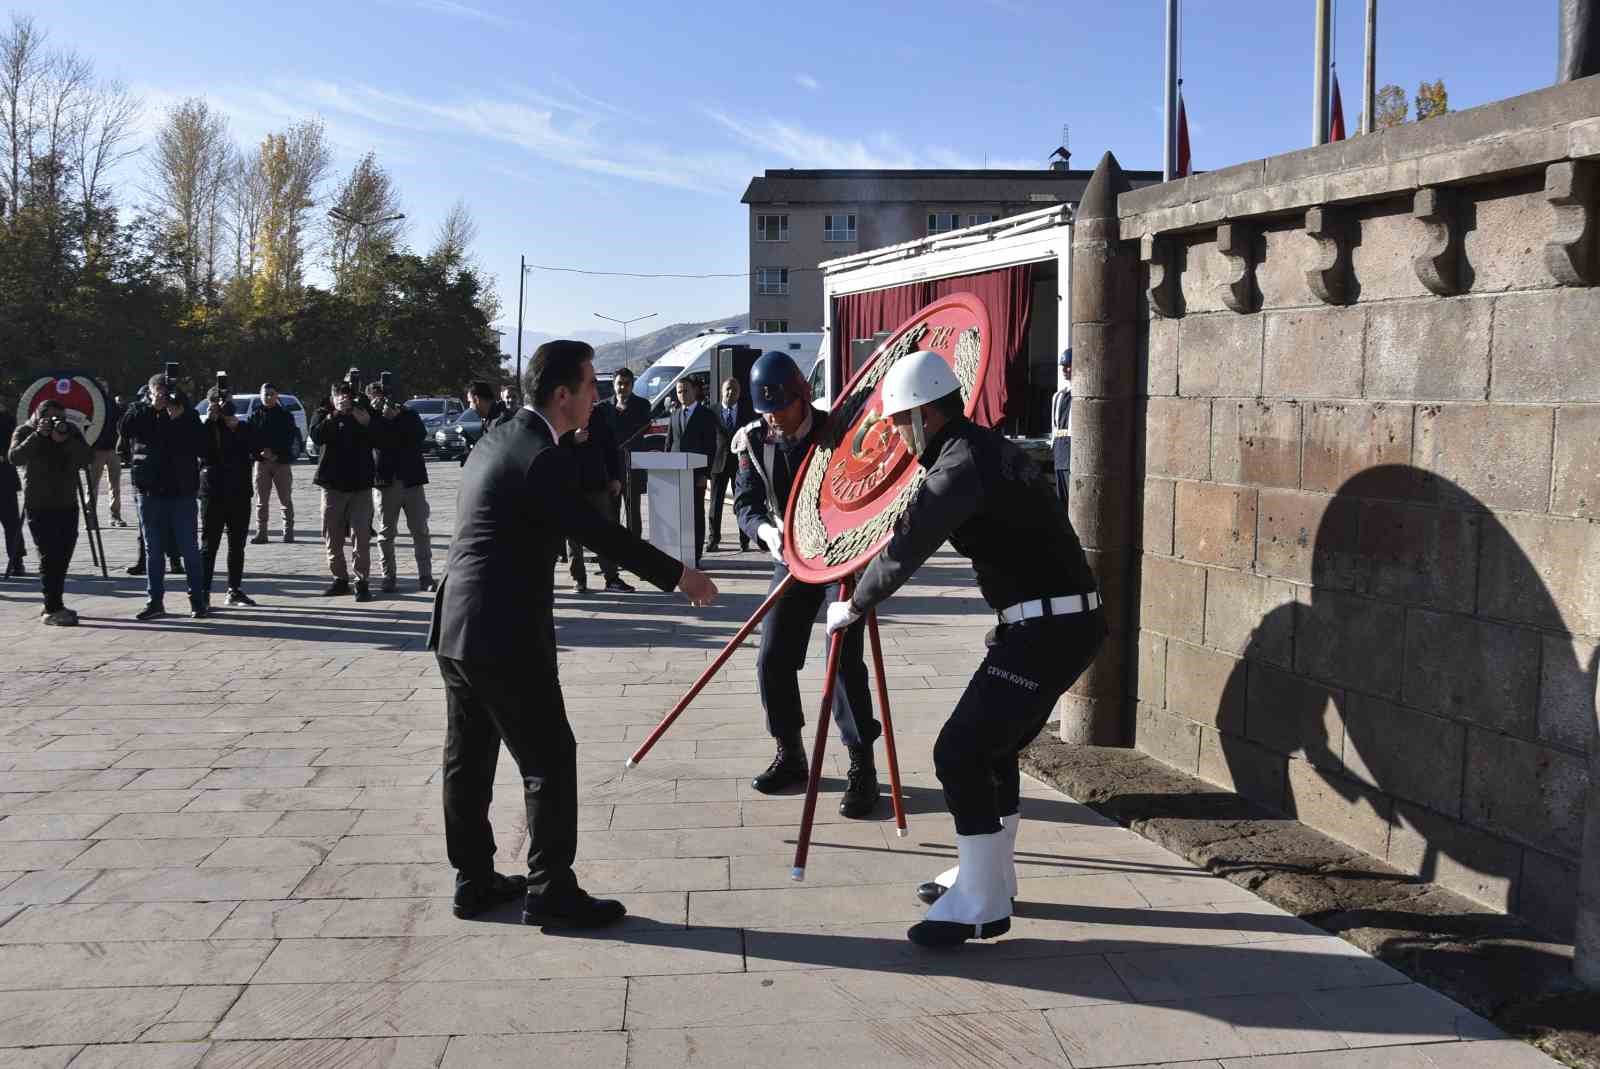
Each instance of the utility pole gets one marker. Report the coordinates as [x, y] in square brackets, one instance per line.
[1369, 93]
[522, 277]
[1169, 96]
[1319, 83]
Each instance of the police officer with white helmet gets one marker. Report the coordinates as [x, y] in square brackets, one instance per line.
[997, 508]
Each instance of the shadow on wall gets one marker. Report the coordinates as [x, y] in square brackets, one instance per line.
[1430, 661]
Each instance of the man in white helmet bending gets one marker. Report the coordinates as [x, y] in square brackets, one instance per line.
[995, 506]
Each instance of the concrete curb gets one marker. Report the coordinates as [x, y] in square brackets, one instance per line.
[1492, 963]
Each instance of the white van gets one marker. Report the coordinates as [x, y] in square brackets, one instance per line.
[693, 357]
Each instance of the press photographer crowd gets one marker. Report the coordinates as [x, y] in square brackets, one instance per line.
[195, 469]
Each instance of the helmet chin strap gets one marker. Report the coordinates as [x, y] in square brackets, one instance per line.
[919, 437]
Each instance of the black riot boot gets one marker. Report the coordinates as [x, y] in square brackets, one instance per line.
[788, 768]
[861, 784]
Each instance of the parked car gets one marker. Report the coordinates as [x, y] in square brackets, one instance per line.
[244, 406]
[455, 438]
[436, 412]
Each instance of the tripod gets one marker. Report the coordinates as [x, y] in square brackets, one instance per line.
[91, 524]
[830, 681]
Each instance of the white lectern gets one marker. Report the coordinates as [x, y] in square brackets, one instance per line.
[671, 489]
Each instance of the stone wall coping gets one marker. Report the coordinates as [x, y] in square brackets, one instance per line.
[1508, 136]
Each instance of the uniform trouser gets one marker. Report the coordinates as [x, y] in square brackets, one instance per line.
[168, 524]
[490, 703]
[784, 637]
[274, 476]
[1063, 483]
[106, 460]
[720, 483]
[1011, 695]
[219, 515]
[11, 521]
[413, 501]
[699, 512]
[55, 535]
[347, 515]
[600, 500]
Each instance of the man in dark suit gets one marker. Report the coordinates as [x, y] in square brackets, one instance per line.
[629, 417]
[733, 413]
[494, 635]
[693, 429]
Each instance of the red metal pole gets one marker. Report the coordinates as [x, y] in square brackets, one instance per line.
[830, 681]
[711, 670]
[888, 726]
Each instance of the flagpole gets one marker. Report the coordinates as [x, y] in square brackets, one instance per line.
[1319, 82]
[1369, 88]
[1169, 96]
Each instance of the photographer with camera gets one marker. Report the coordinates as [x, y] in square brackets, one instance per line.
[342, 429]
[166, 441]
[225, 489]
[401, 475]
[274, 441]
[50, 450]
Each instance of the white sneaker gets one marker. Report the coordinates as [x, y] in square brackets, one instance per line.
[931, 891]
[976, 906]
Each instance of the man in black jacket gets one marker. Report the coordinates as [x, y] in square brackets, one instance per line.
[401, 475]
[342, 430]
[494, 634]
[106, 460]
[734, 412]
[769, 452]
[491, 412]
[599, 469]
[167, 441]
[629, 415]
[274, 433]
[225, 491]
[10, 486]
[693, 429]
[51, 450]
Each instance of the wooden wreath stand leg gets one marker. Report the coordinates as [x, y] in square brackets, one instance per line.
[888, 727]
[711, 670]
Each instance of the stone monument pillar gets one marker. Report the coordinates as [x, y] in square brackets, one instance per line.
[1104, 339]
[1586, 964]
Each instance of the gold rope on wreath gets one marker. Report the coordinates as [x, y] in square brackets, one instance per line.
[811, 536]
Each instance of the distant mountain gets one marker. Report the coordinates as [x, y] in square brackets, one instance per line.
[646, 349]
[532, 339]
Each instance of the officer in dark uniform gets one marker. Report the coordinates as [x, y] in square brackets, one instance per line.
[989, 500]
[769, 452]
[1061, 427]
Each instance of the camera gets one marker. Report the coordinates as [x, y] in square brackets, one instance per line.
[353, 378]
[222, 383]
[170, 373]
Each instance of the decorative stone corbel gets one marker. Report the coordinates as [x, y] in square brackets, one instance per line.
[1237, 242]
[1329, 277]
[1438, 265]
[1569, 255]
[1157, 256]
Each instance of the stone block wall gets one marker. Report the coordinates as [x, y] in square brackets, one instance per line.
[1368, 580]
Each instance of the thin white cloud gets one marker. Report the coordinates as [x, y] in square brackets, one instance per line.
[805, 81]
[455, 9]
[781, 141]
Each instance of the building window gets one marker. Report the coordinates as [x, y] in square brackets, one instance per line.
[838, 228]
[772, 281]
[939, 222]
[773, 326]
[982, 217]
[772, 228]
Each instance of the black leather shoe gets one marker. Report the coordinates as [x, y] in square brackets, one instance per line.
[950, 934]
[475, 896]
[928, 893]
[176, 567]
[239, 597]
[133, 569]
[288, 537]
[575, 909]
[259, 540]
[336, 588]
[199, 612]
[427, 583]
[861, 785]
[788, 768]
[151, 611]
[617, 586]
[363, 592]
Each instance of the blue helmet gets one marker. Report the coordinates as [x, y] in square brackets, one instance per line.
[775, 381]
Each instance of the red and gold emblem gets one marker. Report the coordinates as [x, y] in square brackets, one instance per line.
[86, 404]
[855, 482]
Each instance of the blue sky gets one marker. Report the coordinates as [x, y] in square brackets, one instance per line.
[619, 136]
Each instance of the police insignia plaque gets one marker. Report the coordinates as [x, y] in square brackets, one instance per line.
[858, 480]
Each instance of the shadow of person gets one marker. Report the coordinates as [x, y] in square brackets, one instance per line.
[1429, 681]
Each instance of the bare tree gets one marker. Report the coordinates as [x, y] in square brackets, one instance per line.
[247, 207]
[452, 246]
[102, 140]
[189, 167]
[362, 229]
[294, 164]
[23, 64]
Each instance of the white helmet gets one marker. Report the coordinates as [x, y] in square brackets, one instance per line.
[916, 379]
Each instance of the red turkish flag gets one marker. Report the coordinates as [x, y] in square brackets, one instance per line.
[1183, 139]
[1336, 126]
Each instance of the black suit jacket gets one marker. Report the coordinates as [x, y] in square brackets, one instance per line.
[694, 434]
[518, 503]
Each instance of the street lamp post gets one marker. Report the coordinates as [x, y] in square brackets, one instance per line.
[522, 277]
[339, 215]
[625, 323]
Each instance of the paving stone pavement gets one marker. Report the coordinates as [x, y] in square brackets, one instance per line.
[221, 845]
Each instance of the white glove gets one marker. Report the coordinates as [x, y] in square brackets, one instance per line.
[841, 614]
[772, 538]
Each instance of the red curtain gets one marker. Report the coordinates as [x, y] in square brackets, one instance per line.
[1008, 294]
